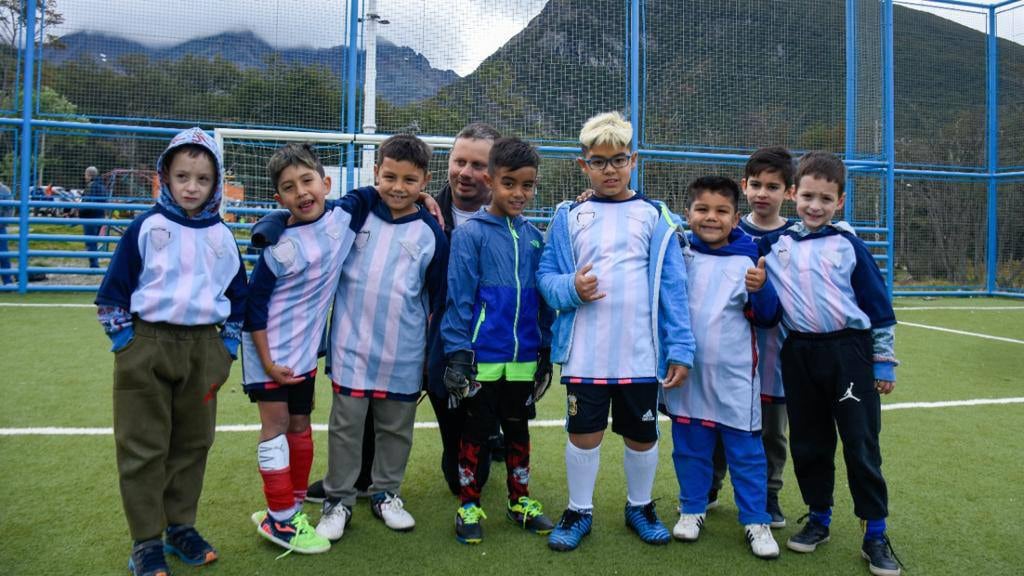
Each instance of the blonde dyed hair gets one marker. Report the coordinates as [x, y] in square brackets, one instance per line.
[608, 128]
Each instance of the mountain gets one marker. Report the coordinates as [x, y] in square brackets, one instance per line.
[396, 64]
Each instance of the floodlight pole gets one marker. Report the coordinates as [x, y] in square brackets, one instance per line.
[370, 22]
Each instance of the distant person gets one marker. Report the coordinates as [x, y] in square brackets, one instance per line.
[5, 212]
[95, 191]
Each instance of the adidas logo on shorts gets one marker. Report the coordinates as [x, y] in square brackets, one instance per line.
[648, 416]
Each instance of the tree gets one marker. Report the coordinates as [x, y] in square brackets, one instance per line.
[12, 21]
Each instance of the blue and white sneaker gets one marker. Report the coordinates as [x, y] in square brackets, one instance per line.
[570, 530]
[645, 522]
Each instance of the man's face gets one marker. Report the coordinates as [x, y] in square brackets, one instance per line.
[467, 166]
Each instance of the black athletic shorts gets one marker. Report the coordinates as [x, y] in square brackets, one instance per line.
[298, 396]
[634, 409]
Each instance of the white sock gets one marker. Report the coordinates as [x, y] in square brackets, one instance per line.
[640, 468]
[581, 473]
[282, 515]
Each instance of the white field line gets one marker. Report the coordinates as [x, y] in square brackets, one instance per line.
[43, 305]
[962, 333]
[981, 308]
[54, 431]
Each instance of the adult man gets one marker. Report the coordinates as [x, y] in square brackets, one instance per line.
[95, 191]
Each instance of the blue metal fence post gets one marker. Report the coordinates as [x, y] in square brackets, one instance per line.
[851, 101]
[889, 112]
[634, 84]
[992, 153]
[352, 80]
[25, 161]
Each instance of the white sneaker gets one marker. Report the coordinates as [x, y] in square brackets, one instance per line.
[762, 544]
[688, 527]
[332, 524]
[390, 508]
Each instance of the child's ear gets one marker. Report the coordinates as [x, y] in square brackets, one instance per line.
[743, 184]
[376, 169]
[582, 163]
[840, 202]
[327, 184]
[790, 192]
[277, 197]
[488, 180]
[426, 181]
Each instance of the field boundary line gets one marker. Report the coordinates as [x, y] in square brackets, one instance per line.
[961, 332]
[43, 305]
[57, 431]
[912, 308]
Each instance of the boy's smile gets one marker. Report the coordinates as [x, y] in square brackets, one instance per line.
[302, 191]
[712, 218]
[399, 184]
[511, 190]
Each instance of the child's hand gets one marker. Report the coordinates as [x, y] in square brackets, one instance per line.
[884, 386]
[756, 277]
[585, 195]
[677, 374]
[283, 375]
[586, 285]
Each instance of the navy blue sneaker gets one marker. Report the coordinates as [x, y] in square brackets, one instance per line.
[645, 522]
[570, 530]
[184, 542]
[147, 559]
[882, 560]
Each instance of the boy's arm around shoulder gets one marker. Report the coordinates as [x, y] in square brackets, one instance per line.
[463, 280]
[673, 306]
[555, 275]
[114, 297]
[268, 229]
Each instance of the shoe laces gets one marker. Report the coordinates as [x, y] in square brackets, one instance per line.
[649, 513]
[759, 532]
[569, 519]
[301, 523]
[472, 514]
[151, 555]
[392, 502]
[528, 507]
[188, 540]
[888, 544]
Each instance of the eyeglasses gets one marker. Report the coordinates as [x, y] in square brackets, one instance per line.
[600, 162]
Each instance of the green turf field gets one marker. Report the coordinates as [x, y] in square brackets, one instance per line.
[954, 473]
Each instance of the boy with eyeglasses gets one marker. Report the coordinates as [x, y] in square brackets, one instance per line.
[614, 272]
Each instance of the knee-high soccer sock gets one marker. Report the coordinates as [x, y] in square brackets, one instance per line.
[277, 478]
[300, 449]
[581, 472]
[469, 464]
[640, 468]
[517, 459]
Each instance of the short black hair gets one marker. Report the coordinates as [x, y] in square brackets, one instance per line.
[772, 159]
[512, 154]
[824, 165]
[293, 154]
[721, 185]
[405, 148]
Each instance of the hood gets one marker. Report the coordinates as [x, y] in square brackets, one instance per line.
[198, 137]
[740, 244]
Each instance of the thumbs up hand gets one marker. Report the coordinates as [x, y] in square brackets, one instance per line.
[586, 285]
[756, 277]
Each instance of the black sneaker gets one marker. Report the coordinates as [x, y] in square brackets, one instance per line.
[882, 561]
[467, 523]
[183, 541]
[316, 494]
[712, 500]
[775, 511]
[809, 537]
[147, 559]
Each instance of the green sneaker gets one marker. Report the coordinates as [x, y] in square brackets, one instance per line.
[295, 533]
[529, 514]
[467, 523]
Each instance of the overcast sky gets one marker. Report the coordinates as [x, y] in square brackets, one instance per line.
[452, 35]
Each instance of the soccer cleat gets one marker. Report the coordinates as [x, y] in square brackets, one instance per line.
[645, 522]
[147, 559]
[712, 499]
[762, 544]
[335, 518]
[882, 560]
[316, 494]
[809, 537]
[295, 533]
[467, 523]
[529, 514]
[773, 509]
[688, 527]
[570, 531]
[389, 507]
[184, 542]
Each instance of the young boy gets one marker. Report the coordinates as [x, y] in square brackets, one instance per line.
[614, 272]
[767, 182]
[391, 281]
[172, 303]
[837, 358]
[720, 400]
[293, 285]
[497, 337]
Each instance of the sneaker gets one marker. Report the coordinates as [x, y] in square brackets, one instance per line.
[773, 509]
[184, 542]
[761, 542]
[529, 514]
[316, 494]
[645, 522]
[389, 507]
[808, 538]
[335, 518]
[294, 534]
[882, 560]
[688, 527]
[712, 499]
[467, 523]
[571, 529]
[147, 559]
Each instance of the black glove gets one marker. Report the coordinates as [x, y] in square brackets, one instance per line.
[542, 376]
[459, 376]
